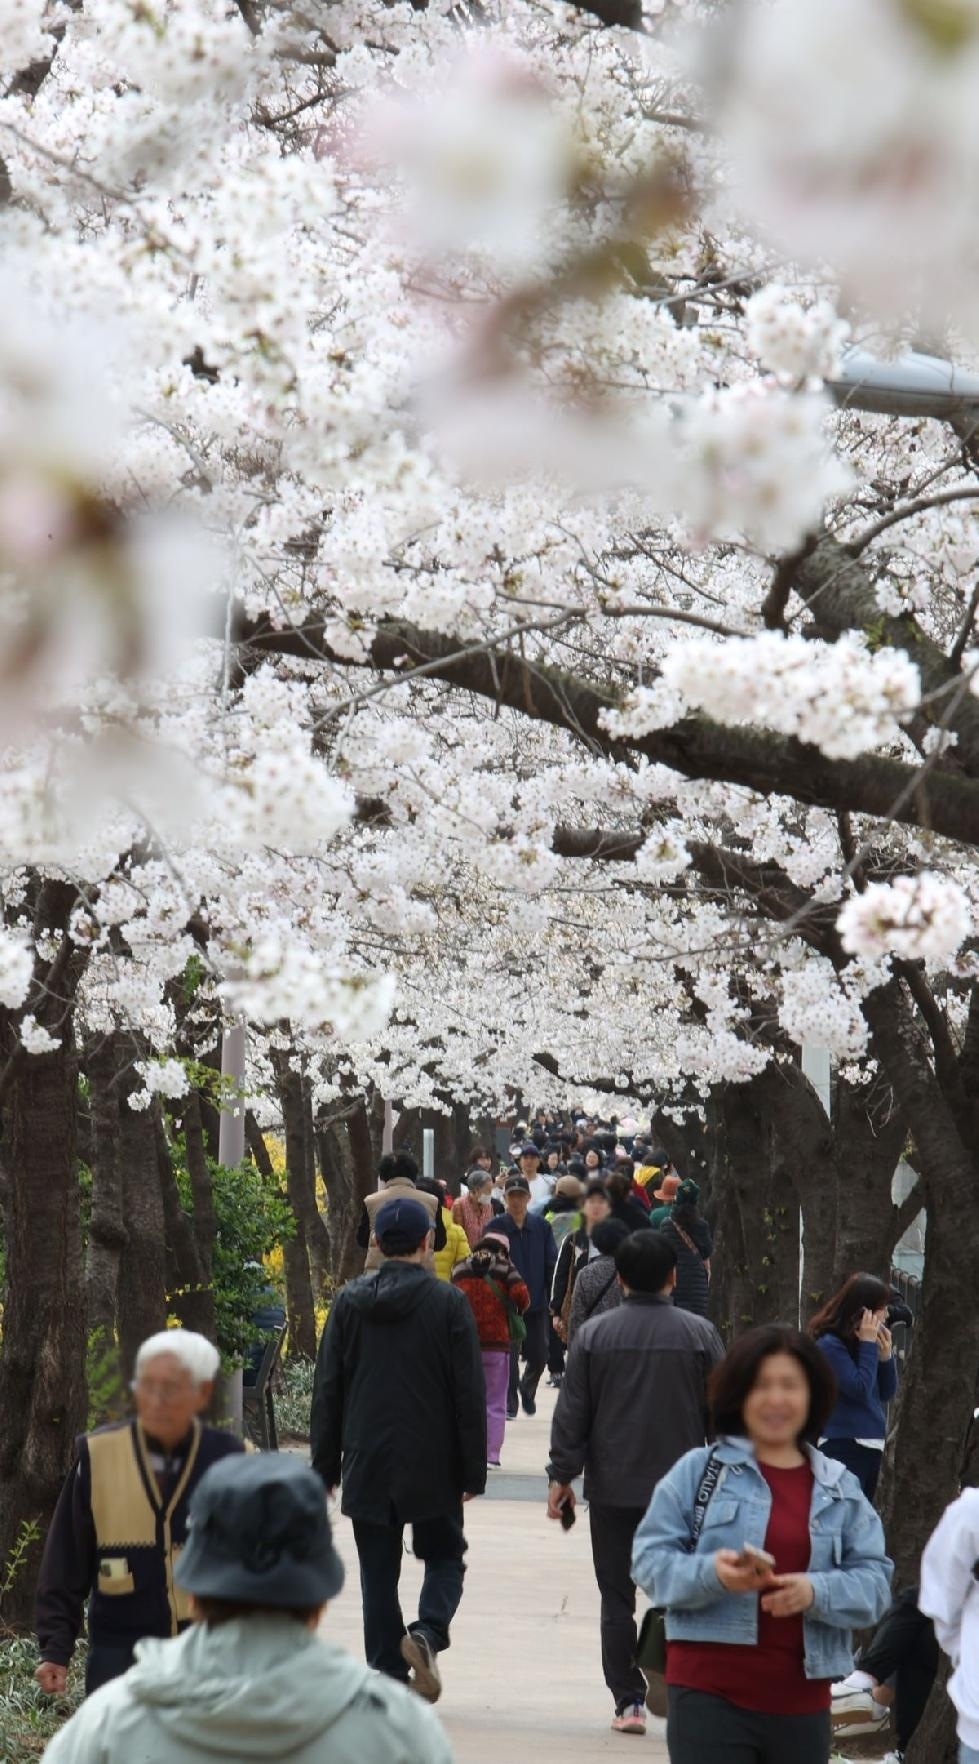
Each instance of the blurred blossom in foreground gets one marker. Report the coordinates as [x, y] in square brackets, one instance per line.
[90, 591]
[853, 131]
[922, 918]
[483, 161]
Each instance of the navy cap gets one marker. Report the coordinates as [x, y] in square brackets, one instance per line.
[529, 1149]
[259, 1533]
[401, 1225]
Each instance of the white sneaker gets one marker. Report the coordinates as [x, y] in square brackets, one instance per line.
[855, 1680]
[855, 1712]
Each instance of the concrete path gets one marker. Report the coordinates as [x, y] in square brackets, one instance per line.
[523, 1678]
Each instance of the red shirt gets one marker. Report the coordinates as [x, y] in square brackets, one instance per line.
[769, 1677]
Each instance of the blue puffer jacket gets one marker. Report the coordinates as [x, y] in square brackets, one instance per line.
[849, 1569]
[865, 1385]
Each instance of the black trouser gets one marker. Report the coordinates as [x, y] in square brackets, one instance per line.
[701, 1729]
[534, 1352]
[439, 1543]
[864, 1461]
[555, 1351]
[904, 1648]
[612, 1532]
[107, 1660]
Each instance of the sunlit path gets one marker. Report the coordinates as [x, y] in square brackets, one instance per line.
[523, 1678]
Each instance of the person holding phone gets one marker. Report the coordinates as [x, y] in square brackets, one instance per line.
[789, 1558]
[852, 1332]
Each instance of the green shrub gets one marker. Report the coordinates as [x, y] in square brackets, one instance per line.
[28, 1718]
[293, 1397]
[252, 1217]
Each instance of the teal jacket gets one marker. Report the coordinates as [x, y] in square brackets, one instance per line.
[259, 1687]
[848, 1566]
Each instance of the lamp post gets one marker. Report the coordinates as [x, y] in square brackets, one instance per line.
[912, 385]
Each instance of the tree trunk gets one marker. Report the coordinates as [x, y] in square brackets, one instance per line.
[143, 1267]
[301, 1167]
[934, 1740]
[756, 1243]
[337, 1170]
[926, 1449]
[190, 1293]
[201, 1191]
[365, 1131]
[107, 1229]
[42, 1361]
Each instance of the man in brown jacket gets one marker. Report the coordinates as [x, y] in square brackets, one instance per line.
[397, 1175]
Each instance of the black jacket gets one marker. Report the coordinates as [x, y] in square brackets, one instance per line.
[399, 1399]
[633, 1399]
[632, 1213]
[692, 1281]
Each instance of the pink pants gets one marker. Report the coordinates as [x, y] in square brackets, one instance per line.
[496, 1369]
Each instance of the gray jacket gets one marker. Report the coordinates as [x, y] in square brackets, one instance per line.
[633, 1400]
[258, 1688]
[596, 1291]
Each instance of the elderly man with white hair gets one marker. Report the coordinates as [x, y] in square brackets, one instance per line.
[121, 1519]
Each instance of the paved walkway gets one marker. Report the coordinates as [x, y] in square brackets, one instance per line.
[523, 1679]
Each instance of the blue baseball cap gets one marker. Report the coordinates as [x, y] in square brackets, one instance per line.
[401, 1225]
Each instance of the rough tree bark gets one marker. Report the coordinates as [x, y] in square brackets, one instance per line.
[107, 1227]
[756, 1249]
[301, 1167]
[191, 1294]
[142, 1307]
[42, 1360]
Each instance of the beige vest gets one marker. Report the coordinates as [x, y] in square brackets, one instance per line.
[391, 1191]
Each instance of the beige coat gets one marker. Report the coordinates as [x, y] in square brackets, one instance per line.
[391, 1191]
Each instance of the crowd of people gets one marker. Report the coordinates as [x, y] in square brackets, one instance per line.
[733, 1488]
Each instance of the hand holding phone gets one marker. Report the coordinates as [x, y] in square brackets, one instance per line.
[568, 1514]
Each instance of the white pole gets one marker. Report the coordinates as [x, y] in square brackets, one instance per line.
[387, 1140]
[428, 1153]
[231, 1128]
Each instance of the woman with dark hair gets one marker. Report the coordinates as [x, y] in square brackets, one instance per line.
[764, 1555]
[690, 1235]
[625, 1206]
[852, 1332]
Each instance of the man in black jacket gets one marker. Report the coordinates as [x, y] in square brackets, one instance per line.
[634, 1399]
[399, 1415]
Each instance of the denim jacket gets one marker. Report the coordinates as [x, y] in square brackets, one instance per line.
[848, 1567]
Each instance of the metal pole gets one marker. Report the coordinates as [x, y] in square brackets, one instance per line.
[387, 1139]
[428, 1153]
[231, 1129]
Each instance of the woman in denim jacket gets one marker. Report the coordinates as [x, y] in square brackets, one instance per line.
[754, 1647]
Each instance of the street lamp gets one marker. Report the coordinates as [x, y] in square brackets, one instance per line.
[913, 385]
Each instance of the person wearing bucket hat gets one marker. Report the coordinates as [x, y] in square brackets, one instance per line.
[399, 1417]
[664, 1196]
[252, 1678]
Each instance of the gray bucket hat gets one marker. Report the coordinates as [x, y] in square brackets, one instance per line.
[259, 1533]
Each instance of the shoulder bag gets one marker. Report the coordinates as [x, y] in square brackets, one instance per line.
[651, 1652]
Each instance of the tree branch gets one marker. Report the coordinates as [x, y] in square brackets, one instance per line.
[698, 748]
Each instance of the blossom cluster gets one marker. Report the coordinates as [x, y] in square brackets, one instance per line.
[925, 917]
[842, 698]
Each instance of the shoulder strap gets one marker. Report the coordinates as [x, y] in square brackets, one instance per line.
[596, 1301]
[713, 1471]
[685, 1237]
